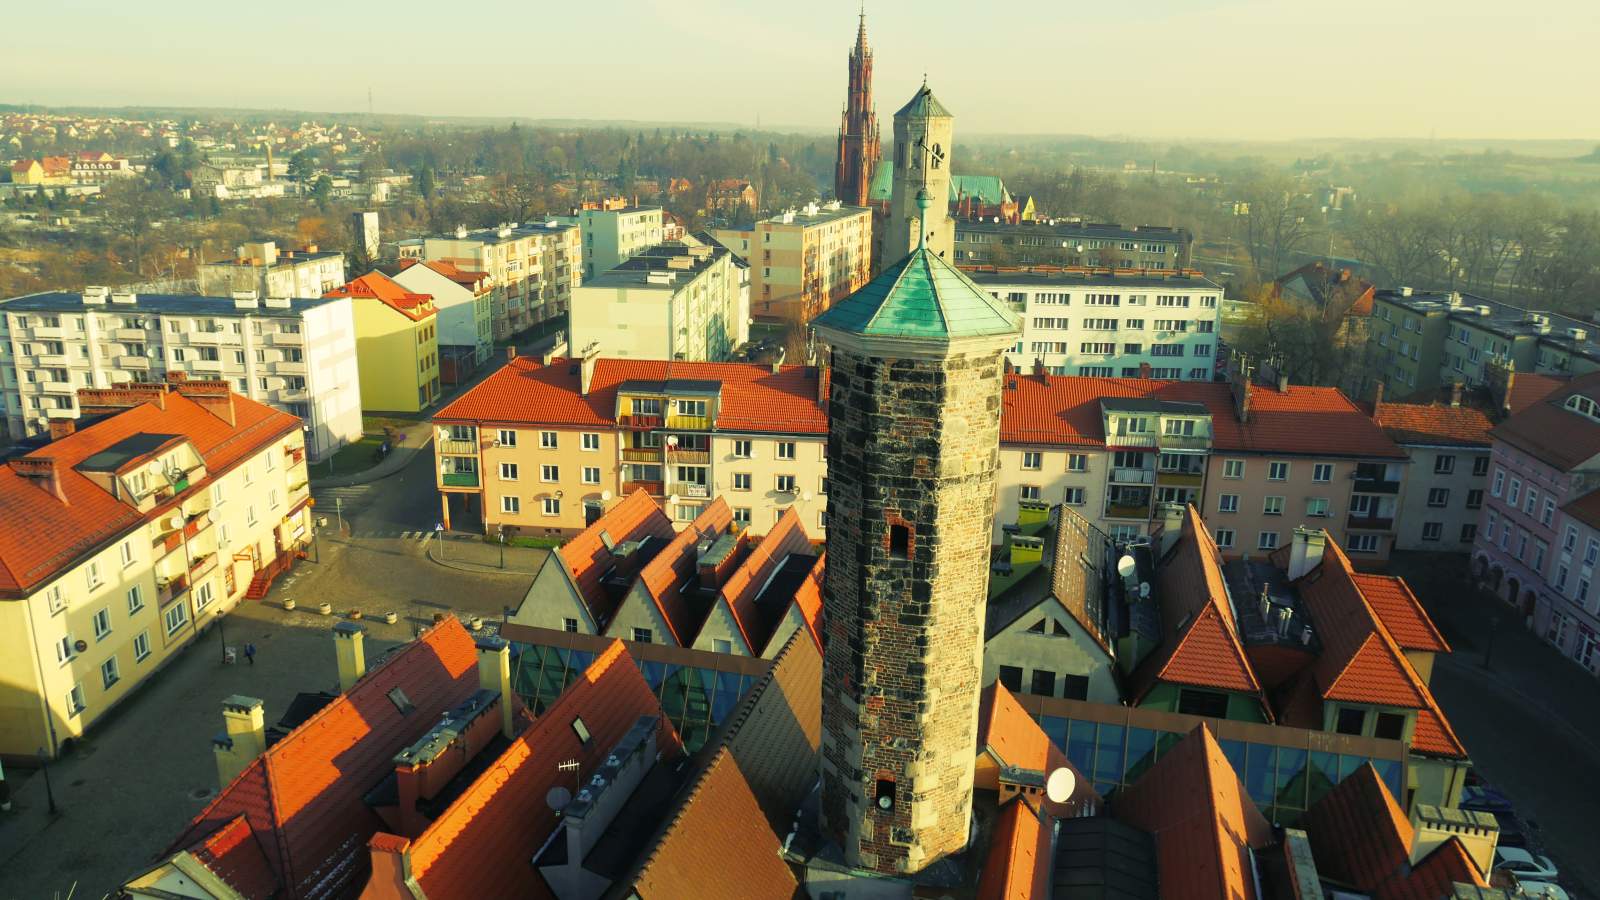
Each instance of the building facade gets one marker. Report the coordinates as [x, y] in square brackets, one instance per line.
[924, 145]
[464, 301]
[397, 343]
[169, 508]
[858, 128]
[261, 267]
[679, 300]
[1449, 449]
[803, 261]
[533, 269]
[298, 355]
[612, 235]
[1112, 323]
[1071, 244]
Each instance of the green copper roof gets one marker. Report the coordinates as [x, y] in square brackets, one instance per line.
[921, 296]
[924, 105]
[990, 189]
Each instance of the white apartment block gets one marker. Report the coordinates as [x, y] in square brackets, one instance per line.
[261, 267]
[684, 301]
[612, 235]
[532, 267]
[297, 355]
[1095, 323]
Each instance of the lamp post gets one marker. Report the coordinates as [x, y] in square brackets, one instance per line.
[222, 633]
[502, 546]
[44, 769]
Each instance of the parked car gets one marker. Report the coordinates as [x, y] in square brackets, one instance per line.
[1541, 889]
[1524, 865]
[1484, 798]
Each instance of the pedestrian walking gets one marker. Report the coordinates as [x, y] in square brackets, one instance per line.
[250, 654]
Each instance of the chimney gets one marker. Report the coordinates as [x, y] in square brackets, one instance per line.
[821, 374]
[1145, 371]
[60, 428]
[511, 353]
[244, 737]
[391, 864]
[1305, 553]
[1171, 525]
[1377, 399]
[42, 471]
[1283, 382]
[1478, 832]
[1456, 388]
[349, 648]
[494, 674]
[214, 396]
[92, 401]
[1039, 369]
[591, 356]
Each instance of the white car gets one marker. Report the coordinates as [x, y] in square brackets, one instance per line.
[1524, 865]
[1539, 889]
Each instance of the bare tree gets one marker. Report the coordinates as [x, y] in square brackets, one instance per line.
[1279, 220]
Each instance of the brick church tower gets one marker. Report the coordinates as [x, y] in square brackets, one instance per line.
[913, 445]
[858, 132]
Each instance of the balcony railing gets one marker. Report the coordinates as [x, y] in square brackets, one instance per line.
[459, 479]
[452, 447]
[214, 366]
[1371, 523]
[689, 456]
[57, 387]
[639, 422]
[288, 367]
[1179, 479]
[135, 335]
[1132, 476]
[1376, 486]
[641, 454]
[47, 332]
[694, 490]
[1183, 442]
[133, 362]
[689, 423]
[288, 339]
[201, 566]
[653, 488]
[171, 590]
[1116, 510]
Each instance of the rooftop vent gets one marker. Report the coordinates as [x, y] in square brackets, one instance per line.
[1483, 309]
[277, 303]
[126, 298]
[1578, 334]
[1405, 291]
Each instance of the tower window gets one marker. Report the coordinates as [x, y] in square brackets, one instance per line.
[899, 541]
[884, 797]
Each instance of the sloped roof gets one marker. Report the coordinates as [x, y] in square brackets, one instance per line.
[1435, 875]
[467, 278]
[757, 624]
[41, 535]
[1528, 388]
[1011, 736]
[923, 104]
[303, 797]
[1191, 801]
[1358, 833]
[921, 297]
[1435, 424]
[1200, 641]
[1401, 612]
[1556, 436]
[1336, 292]
[1017, 866]
[481, 845]
[663, 577]
[1585, 509]
[378, 286]
[587, 558]
[233, 854]
[990, 189]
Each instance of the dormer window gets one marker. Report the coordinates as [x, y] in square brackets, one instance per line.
[1583, 406]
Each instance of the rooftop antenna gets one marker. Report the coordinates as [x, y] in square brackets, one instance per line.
[369, 99]
[558, 797]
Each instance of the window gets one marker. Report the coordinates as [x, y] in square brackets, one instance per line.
[1077, 462]
[1480, 466]
[1322, 473]
[508, 471]
[1363, 543]
[1228, 503]
[108, 673]
[1533, 500]
[741, 516]
[1029, 492]
[176, 618]
[141, 647]
[126, 551]
[1073, 496]
[507, 437]
[135, 599]
[56, 598]
[1444, 465]
[102, 624]
[511, 505]
[741, 481]
[549, 473]
[786, 449]
[1233, 468]
[250, 515]
[203, 596]
[1438, 497]
[1431, 531]
[1268, 540]
[91, 573]
[1549, 511]
[1590, 551]
[741, 449]
[642, 636]
[591, 474]
[1272, 506]
[1224, 538]
[1475, 498]
[66, 649]
[552, 506]
[899, 541]
[1515, 493]
[1011, 677]
[1469, 532]
[1389, 726]
[1032, 460]
[784, 484]
[1277, 471]
[75, 703]
[569, 625]
[1044, 683]
[1317, 507]
[1350, 720]
[1211, 704]
[1499, 482]
[547, 440]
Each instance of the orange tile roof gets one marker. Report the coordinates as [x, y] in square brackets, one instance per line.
[481, 845]
[1556, 436]
[1201, 818]
[1200, 644]
[40, 535]
[1528, 388]
[303, 797]
[1014, 740]
[1401, 612]
[234, 855]
[587, 559]
[1435, 875]
[753, 398]
[467, 278]
[740, 591]
[380, 287]
[1435, 424]
[1358, 833]
[809, 598]
[664, 575]
[1018, 864]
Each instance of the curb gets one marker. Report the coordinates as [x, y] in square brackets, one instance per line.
[477, 568]
[397, 460]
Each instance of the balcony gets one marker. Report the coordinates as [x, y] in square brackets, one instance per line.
[641, 454]
[1132, 476]
[653, 488]
[133, 335]
[296, 454]
[640, 422]
[167, 543]
[689, 423]
[1179, 479]
[47, 332]
[209, 366]
[688, 456]
[171, 589]
[453, 447]
[1370, 523]
[287, 367]
[201, 566]
[51, 359]
[459, 479]
[57, 387]
[1192, 442]
[290, 395]
[1376, 486]
[698, 491]
[288, 339]
[1122, 510]
[212, 338]
[133, 362]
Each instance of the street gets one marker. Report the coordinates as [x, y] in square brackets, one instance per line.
[138, 778]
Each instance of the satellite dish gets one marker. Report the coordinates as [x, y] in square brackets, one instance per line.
[557, 798]
[604, 496]
[1126, 566]
[1060, 785]
[672, 440]
[1144, 589]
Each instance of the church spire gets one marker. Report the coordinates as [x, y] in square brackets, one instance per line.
[858, 128]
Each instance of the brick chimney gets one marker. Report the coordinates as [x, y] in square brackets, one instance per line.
[349, 640]
[1145, 371]
[43, 471]
[244, 737]
[1456, 389]
[511, 353]
[60, 428]
[1377, 399]
[821, 374]
[214, 396]
[93, 401]
[1038, 368]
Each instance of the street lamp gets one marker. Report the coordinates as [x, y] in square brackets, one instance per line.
[44, 769]
[502, 546]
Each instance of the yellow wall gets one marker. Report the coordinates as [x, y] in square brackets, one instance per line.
[398, 358]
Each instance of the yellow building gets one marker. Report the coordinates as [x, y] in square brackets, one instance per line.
[802, 261]
[122, 540]
[397, 344]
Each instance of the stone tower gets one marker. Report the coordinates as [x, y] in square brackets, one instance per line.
[858, 132]
[913, 445]
[923, 134]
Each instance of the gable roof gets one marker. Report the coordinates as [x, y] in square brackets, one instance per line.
[921, 297]
[1556, 436]
[1435, 424]
[1358, 833]
[758, 622]
[1436, 875]
[1401, 612]
[378, 286]
[233, 854]
[1336, 292]
[1191, 801]
[587, 558]
[467, 278]
[481, 845]
[41, 535]
[1017, 866]
[664, 577]
[1528, 388]
[304, 796]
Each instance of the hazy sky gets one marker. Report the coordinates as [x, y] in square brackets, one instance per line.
[1166, 68]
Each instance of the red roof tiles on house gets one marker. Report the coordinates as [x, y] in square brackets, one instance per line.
[1435, 424]
[1017, 866]
[234, 855]
[587, 557]
[1528, 388]
[1435, 876]
[40, 535]
[303, 797]
[1401, 612]
[663, 576]
[380, 287]
[1559, 437]
[467, 278]
[740, 591]
[1358, 833]
[1585, 509]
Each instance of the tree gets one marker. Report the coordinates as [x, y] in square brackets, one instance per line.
[302, 165]
[131, 207]
[426, 183]
[322, 192]
[1278, 221]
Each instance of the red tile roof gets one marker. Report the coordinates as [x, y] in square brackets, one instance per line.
[1358, 833]
[1556, 436]
[1200, 644]
[1202, 820]
[380, 287]
[809, 598]
[303, 797]
[739, 592]
[481, 845]
[1400, 611]
[753, 397]
[1014, 740]
[467, 278]
[1528, 388]
[587, 558]
[663, 576]
[40, 535]
[1435, 424]
[234, 855]
[1585, 509]
[1017, 866]
[1434, 876]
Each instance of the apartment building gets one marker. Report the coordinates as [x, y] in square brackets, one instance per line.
[804, 260]
[397, 343]
[260, 266]
[1448, 445]
[532, 268]
[543, 448]
[298, 355]
[1071, 244]
[164, 509]
[1423, 341]
[612, 235]
[464, 302]
[681, 300]
[1105, 323]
